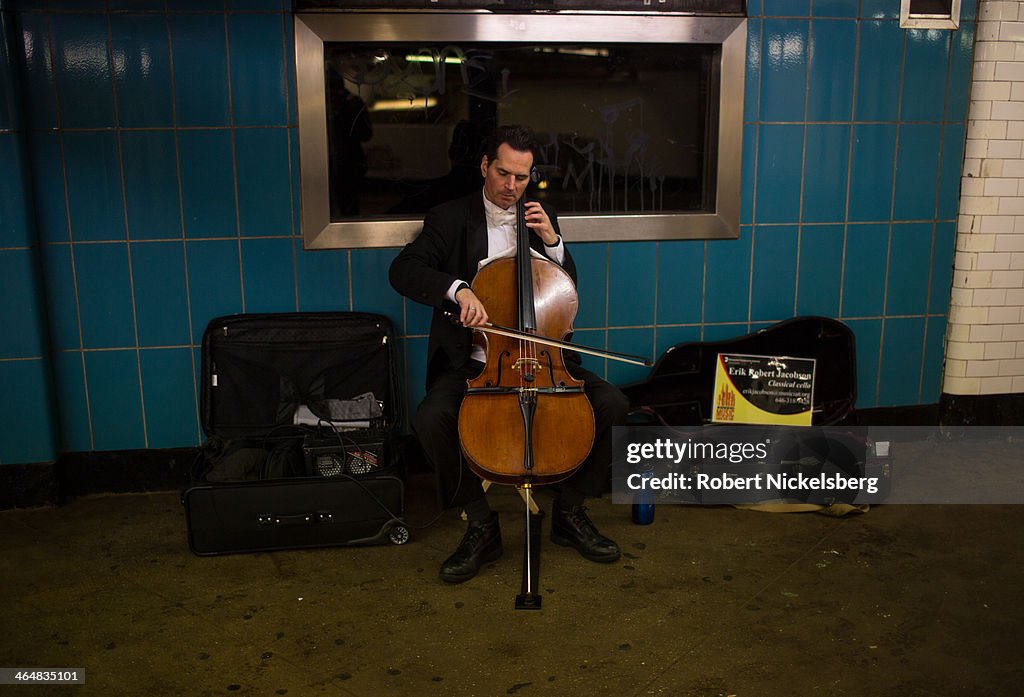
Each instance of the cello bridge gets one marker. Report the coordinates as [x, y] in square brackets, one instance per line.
[530, 363]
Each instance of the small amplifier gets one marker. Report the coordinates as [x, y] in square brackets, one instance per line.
[329, 456]
[363, 459]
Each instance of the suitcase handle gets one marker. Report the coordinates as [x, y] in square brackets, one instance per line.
[295, 519]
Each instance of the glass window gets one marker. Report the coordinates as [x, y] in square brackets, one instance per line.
[622, 128]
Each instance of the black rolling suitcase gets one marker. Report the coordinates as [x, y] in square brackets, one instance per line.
[301, 413]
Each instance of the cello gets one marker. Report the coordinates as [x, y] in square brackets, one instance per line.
[525, 420]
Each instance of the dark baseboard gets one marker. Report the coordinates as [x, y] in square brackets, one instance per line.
[982, 410]
[914, 415]
[28, 485]
[123, 471]
[952, 410]
[81, 474]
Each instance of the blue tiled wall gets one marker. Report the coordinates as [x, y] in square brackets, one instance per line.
[26, 405]
[853, 147]
[156, 186]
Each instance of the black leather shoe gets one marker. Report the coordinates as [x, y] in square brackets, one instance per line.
[481, 543]
[571, 527]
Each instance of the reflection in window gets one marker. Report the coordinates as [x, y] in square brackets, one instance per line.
[623, 128]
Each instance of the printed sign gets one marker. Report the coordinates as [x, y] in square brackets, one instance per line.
[763, 390]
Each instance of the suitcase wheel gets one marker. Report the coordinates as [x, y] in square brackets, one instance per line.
[399, 534]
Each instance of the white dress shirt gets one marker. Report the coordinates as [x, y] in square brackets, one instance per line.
[501, 239]
[501, 243]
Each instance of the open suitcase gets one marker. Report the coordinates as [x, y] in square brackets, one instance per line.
[301, 414]
[680, 389]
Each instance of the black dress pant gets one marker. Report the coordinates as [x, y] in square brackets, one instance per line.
[436, 425]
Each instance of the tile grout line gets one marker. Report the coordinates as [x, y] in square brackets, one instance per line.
[296, 235]
[196, 376]
[938, 195]
[127, 228]
[849, 168]
[234, 153]
[803, 163]
[892, 212]
[70, 231]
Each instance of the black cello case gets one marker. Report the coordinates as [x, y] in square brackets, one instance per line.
[301, 413]
[680, 388]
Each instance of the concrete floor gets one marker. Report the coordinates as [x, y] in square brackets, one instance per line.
[905, 600]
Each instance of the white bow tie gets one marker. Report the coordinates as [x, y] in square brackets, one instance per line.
[504, 217]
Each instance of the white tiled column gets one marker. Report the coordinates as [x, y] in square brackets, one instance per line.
[985, 340]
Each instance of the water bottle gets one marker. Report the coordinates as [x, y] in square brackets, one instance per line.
[643, 498]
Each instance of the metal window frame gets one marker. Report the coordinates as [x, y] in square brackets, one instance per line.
[929, 21]
[313, 29]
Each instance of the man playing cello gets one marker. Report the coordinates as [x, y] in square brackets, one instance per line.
[435, 269]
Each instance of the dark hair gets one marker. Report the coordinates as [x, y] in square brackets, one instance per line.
[518, 138]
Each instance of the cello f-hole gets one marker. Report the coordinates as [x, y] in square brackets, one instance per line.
[549, 362]
[501, 363]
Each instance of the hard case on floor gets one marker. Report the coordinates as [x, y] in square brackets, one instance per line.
[680, 388]
[301, 414]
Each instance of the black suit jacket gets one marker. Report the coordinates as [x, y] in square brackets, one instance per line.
[451, 246]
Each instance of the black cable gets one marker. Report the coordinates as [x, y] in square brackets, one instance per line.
[424, 526]
[451, 502]
[383, 506]
[355, 479]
